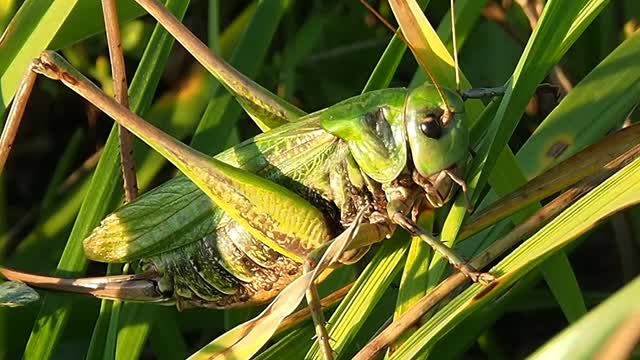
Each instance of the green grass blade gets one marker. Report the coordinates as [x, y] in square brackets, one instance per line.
[291, 345]
[55, 308]
[213, 26]
[558, 271]
[30, 32]
[102, 337]
[616, 193]
[104, 187]
[42, 24]
[86, 20]
[595, 106]
[111, 341]
[596, 328]
[7, 10]
[431, 51]
[63, 168]
[299, 47]
[562, 281]
[546, 45]
[539, 56]
[580, 122]
[385, 68]
[167, 341]
[345, 322]
[467, 12]
[413, 283]
[108, 324]
[389, 61]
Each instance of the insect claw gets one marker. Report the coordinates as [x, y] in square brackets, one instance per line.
[418, 209]
[463, 185]
[475, 275]
[486, 278]
[315, 337]
[470, 207]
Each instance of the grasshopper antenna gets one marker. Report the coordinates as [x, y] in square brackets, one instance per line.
[455, 45]
[384, 21]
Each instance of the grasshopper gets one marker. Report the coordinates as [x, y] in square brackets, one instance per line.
[331, 183]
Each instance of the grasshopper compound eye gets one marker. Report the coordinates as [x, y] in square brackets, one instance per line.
[436, 129]
[430, 127]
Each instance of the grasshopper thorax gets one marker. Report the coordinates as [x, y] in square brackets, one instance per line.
[377, 127]
[438, 137]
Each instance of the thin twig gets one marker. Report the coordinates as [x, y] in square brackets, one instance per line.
[15, 115]
[119, 74]
[127, 161]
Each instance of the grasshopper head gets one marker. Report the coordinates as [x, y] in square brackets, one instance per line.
[438, 139]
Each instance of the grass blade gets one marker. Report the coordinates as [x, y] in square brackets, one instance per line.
[597, 329]
[104, 187]
[512, 107]
[616, 193]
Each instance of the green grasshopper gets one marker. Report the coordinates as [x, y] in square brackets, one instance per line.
[331, 183]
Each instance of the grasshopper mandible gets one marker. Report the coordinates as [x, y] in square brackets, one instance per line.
[359, 167]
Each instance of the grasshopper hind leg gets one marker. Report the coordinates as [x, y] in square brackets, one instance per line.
[141, 287]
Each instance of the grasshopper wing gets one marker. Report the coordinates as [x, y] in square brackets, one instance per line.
[178, 213]
[174, 214]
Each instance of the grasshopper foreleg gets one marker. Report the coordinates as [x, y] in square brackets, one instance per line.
[453, 258]
[401, 200]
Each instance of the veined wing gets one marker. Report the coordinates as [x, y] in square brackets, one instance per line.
[178, 213]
